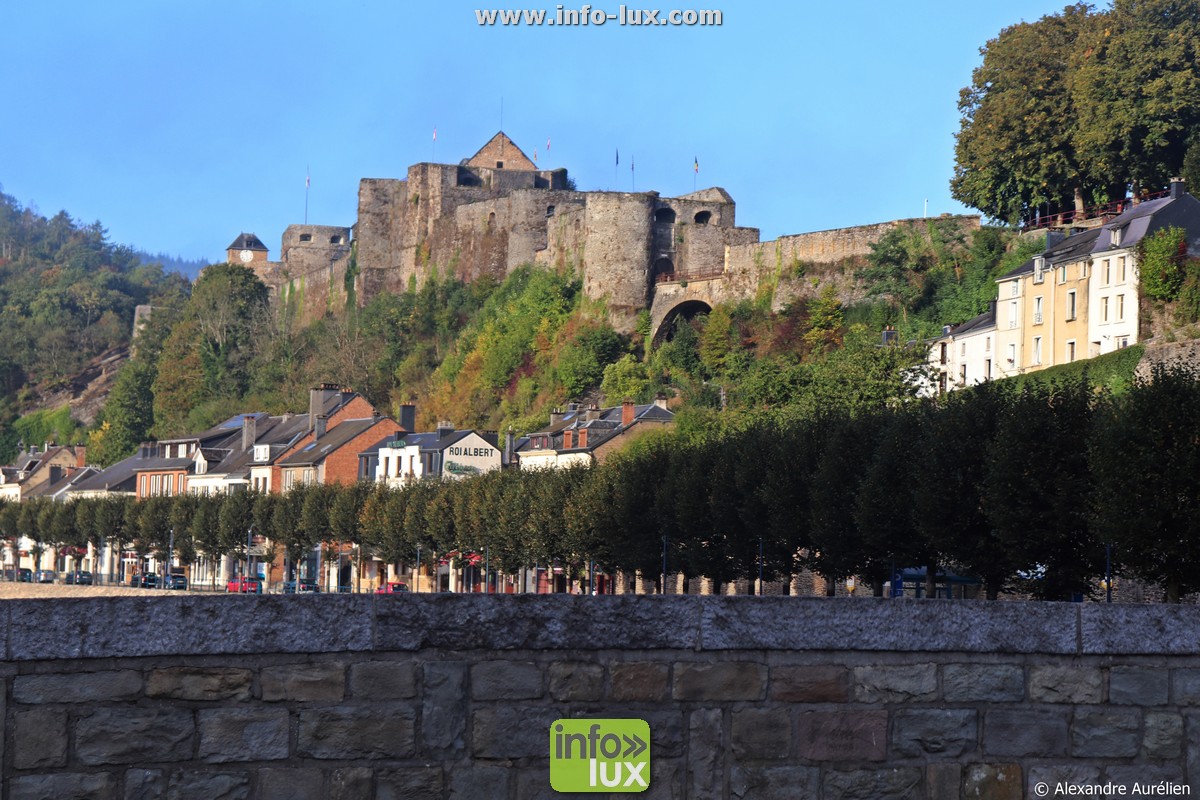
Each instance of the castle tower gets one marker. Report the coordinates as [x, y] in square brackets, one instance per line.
[246, 249]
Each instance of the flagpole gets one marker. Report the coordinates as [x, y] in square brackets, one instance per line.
[307, 181]
[632, 174]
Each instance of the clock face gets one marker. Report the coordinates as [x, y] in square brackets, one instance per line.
[246, 256]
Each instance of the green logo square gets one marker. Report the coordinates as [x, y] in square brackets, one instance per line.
[600, 755]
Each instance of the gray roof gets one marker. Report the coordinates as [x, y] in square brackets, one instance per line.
[247, 241]
[314, 452]
[985, 320]
[120, 477]
[427, 442]
[604, 425]
[1074, 248]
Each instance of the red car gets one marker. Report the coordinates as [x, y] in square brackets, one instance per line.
[244, 586]
[392, 588]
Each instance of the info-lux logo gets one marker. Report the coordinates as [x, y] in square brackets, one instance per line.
[600, 755]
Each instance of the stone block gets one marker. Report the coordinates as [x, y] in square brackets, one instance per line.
[305, 683]
[506, 680]
[363, 732]
[470, 783]
[39, 739]
[983, 683]
[943, 781]
[145, 784]
[200, 785]
[1065, 684]
[1186, 690]
[722, 681]
[1106, 733]
[576, 681]
[533, 783]
[411, 783]
[92, 785]
[352, 783]
[667, 780]
[1128, 628]
[1162, 736]
[666, 731]
[639, 681]
[135, 736]
[1192, 724]
[443, 712]
[900, 684]
[900, 625]
[1148, 780]
[290, 784]
[192, 624]
[895, 784]
[526, 622]
[706, 753]
[1041, 734]
[842, 736]
[86, 687]
[992, 782]
[1138, 686]
[243, 734]
[773, 783]
[512, 731]
[939, 733]
[383, 680]
[1042, 780]
[810, 684]
[200, 683]
[761, 733]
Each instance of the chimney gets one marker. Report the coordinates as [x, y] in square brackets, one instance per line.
[992, 309]
[318, 397]
[444, 429]
[627, 412]
[249, 431]
[556, 416]
[1178, 188]
[319, 426]
[1054, 237]
[509, 446]
[408, 417]
[80, 456]
[660, 400]
[890, 335]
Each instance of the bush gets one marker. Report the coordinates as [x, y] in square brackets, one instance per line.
[1160, 263]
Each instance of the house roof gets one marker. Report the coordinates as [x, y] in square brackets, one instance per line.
[427, 442]
[157, 463]
[247, 241]
[601, 425]
[1075, 247]
[120, 477]
[65, 483]
[985, 320]
[506, 145]
[314, 452]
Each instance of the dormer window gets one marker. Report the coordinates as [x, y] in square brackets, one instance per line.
[1039, 266]
[262, 453]
[1116, 237]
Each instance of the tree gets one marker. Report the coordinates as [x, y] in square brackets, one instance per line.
[1016, 148]
[128, 414]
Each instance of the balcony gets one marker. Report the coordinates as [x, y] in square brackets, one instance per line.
[1037, 318]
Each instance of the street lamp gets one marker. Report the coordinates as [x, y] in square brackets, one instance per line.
[851, 585]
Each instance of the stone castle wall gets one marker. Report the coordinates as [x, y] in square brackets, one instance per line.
[452, 696]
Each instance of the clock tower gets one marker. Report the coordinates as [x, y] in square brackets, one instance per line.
[246, 249]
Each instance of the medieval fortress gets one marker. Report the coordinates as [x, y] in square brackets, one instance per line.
[496, 211]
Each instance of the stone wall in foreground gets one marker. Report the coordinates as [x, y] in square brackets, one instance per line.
[452, 696]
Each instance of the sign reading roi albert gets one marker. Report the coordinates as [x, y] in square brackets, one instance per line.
[600, 755]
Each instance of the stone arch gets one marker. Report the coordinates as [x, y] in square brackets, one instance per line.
[665, 215]
[663, 266]
[703, 217]
[686, 309]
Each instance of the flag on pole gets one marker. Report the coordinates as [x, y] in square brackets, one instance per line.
[618, 157]
[547, 144]
[696, 164]
[535, 155]
[307, 180]
[435, 133]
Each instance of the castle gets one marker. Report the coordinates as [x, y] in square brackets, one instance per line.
[497, 210]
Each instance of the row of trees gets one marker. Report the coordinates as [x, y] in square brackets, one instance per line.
[1025, 488]
[1079, 106]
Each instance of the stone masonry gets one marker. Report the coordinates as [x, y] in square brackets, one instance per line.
[453, 696]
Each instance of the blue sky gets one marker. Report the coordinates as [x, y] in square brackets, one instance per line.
[179, 125]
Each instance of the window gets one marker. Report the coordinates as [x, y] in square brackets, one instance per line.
[1071, 308]
[664, 215]
[964, 348]
[1116, 236]
[306, 237]
[1012, 355]
[943, 358]
[1037, 311]
[987, 344]
[1062, 274]
[1106, 272]
[987, 369]
[1039, 266]
[1121, 269]
[1013, 291]
[1122, 342]
[703, 217]
[499, 165]
[962, 374]
[1120, 307]
[1012, 314]
[1070, 351]
[1037, 350]
[335, 240]
[1104, 309]
[549, 211]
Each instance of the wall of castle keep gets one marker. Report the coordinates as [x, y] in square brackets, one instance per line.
[452, 696]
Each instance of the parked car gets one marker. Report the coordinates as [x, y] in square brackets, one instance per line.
[46, 576]
[176, 582]
[145, 580]
[392, 587]
[244, 586]
[80, 577]
[302, 586]
[24, 575]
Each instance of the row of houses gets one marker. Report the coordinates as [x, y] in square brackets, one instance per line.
[1076, 299]
[342, 439]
